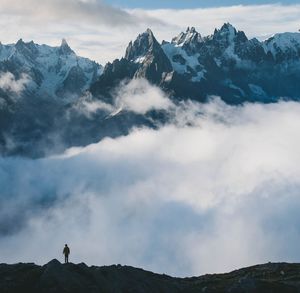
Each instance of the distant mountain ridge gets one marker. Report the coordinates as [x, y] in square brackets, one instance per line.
[55, 277]
[52, 71]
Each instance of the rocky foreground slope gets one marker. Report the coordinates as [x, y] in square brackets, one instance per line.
[56, 277]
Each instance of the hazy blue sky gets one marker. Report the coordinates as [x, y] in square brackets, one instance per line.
[191, 3]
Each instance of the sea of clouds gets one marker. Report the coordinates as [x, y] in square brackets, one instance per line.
[215, 189]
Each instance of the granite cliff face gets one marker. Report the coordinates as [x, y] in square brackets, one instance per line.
[55, 277]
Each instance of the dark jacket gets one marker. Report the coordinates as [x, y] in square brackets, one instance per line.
[66, 250]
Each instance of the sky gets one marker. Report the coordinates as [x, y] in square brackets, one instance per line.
[186, 4]
[102, 30]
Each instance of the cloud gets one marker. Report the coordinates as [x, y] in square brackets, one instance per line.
[256, 20]
[87, 24]
[139, 97]
[89, 11]
[88, 106]
[216, 189]
[67, 10]
[8, 82]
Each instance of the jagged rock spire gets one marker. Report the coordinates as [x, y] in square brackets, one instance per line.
[191, 29]
[229, 33]
[28, 49]
[145, 43]
[228, 27]
[65, 48]
[191, 36]
[20, 44]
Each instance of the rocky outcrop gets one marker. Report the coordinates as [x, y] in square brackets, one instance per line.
[55, 277]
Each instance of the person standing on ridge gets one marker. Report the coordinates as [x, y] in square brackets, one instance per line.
[66, 252]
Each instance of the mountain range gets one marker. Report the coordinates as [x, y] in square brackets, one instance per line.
[52, 99]
[226, 64]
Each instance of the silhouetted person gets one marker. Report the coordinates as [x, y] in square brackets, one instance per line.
[66, 252]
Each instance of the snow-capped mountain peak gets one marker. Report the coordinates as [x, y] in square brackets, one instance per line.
[51, 70]
[64, 43]
[228, 27]
[144, 44]
[65, 48]
[191, 36]
[226, 33]
[287, 44]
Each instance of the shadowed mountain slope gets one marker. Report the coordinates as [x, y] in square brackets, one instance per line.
[56, 277]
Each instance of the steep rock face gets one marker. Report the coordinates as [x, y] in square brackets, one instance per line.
[147, 53]
[56, 278]
[113, 74]
[143, 45]
[144, 58]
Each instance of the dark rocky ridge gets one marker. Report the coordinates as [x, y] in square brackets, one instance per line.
[55, 277]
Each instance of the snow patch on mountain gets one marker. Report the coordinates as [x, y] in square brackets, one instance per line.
[257, 90]
[183, 63]
[140, 59]
[284, 42]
